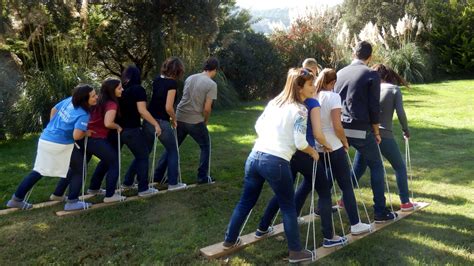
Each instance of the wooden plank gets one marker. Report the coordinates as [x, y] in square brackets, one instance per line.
[323, 252]
[101, 205]
[39, 205]
[217, 250]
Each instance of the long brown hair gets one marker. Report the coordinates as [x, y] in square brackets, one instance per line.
[324, 78]
[295, 81]
[389, 75]
[173, 67]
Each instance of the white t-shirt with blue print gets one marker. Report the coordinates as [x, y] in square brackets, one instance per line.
[61, 127]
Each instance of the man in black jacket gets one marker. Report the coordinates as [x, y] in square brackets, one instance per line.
[359, 88]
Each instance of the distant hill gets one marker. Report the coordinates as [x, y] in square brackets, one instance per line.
[269, 17]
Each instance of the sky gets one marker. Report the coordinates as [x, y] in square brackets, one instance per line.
[268, 4]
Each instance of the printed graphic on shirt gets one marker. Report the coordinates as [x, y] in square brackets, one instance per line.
[301, 122]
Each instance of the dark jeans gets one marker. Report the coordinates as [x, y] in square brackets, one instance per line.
[389, 149]
[107, 154]
[368, 148]
[342, 174]
[74, 175]
[200, 134]
[169, 159]
[303, 163]
[136, 142]
[261, 167]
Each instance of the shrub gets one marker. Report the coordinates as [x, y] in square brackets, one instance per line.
[410, 62]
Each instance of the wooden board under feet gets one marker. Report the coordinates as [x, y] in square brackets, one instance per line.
[217, 250]
[40, 205]
[101, 205]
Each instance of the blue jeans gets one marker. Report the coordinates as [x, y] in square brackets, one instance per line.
[303, 163]
[107, 154]
[342, 174]
[389, 149]
[74, 175]
[169, 159]
[368, 148]
[261, 167]
[200, 134]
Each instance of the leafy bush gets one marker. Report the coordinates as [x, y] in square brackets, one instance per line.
[452, 36]
[410, 62]
[252, 65]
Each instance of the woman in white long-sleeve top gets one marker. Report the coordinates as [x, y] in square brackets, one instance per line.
[281, 130]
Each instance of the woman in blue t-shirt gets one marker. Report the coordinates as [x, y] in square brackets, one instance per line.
[162, 108]
[68, 124]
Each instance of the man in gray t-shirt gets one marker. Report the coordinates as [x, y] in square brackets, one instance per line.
[193, 113]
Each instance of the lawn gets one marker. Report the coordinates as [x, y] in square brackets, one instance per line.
[171, 228]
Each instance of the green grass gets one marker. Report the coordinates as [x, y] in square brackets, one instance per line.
[171, 228]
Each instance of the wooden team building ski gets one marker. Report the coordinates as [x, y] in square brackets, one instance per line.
[217, 250]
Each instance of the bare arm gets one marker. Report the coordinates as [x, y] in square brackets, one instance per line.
[338, 129]
[207, 110]
[53, 112]
[78, 134]
[317, 129]
[109, 120]
[169, 106]
[141, 106]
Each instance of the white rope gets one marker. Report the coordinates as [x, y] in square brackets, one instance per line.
[245, 223]
[119, 153]
[335, 192]
[175, 133]
[408, 166]
[359, 190]
[209, 166]
[386, 180]
[84, 172]
[150, 176]
[27, 197]
[311, 208]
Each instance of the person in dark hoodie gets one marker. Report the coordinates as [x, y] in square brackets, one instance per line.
[359, 88]
[132, 107]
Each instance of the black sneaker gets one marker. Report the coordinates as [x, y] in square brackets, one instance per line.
[317, 211]
[229, 245]
[208, 180]
[300, 256]
[259, 233]
[385, 216]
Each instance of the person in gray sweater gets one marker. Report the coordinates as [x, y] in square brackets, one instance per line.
[390, 101]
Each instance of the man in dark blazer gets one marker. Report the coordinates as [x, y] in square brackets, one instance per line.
[359, 88]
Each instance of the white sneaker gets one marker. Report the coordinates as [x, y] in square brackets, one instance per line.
[57, 198]
[115, 198]
[300, 220]
[360, 228]
[178, 186]
[147, 193]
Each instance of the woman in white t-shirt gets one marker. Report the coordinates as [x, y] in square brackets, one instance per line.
[333, 131]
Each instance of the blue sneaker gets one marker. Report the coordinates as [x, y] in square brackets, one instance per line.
[77, 205]
[259, 233]
[335, 241]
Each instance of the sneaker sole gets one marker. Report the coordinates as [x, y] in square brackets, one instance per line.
[265, 235]
[407, 209]
[176, 189]
[336, 244]
[360, 233]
